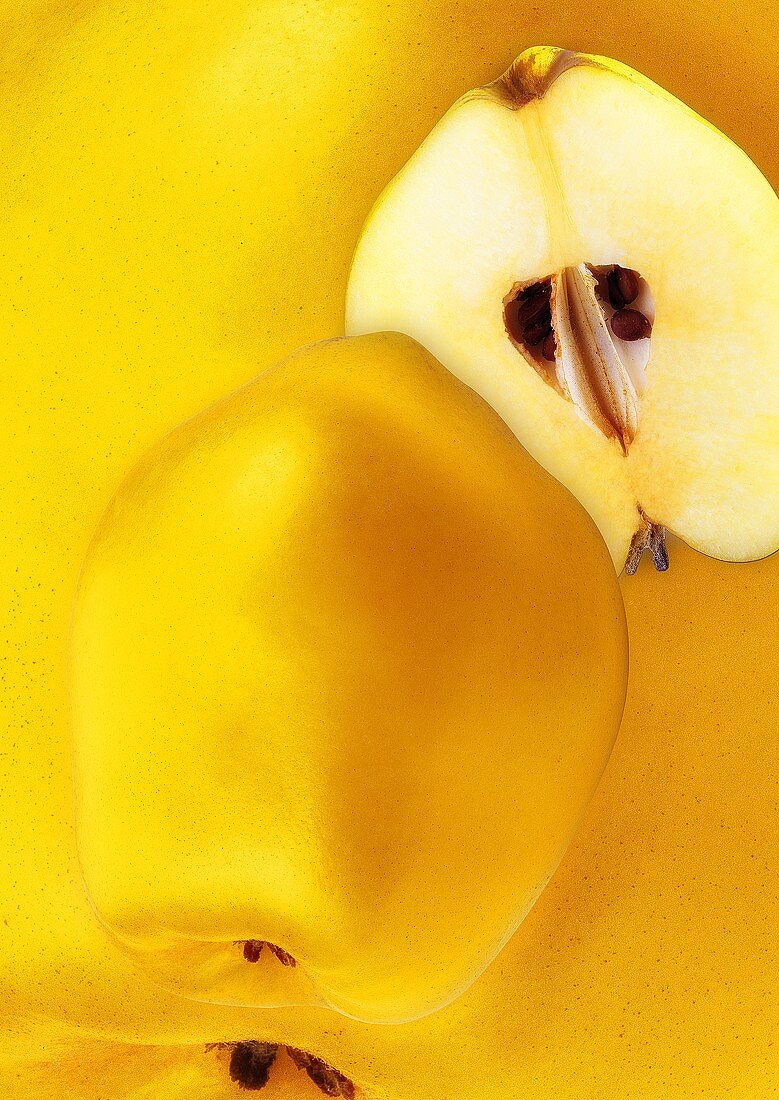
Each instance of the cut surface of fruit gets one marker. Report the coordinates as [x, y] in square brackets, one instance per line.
[347, 667]
[602, 265]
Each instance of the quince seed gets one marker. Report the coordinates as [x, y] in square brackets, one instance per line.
[630, 324]
[623, 286]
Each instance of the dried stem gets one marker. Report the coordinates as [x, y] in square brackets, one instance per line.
[649, 537]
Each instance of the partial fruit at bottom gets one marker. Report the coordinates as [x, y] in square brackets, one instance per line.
[602, 265]
[347, 665]
[92, 1069]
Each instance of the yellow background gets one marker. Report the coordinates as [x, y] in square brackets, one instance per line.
[182, 188]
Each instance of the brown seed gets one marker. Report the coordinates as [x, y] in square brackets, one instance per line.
[623, 286]
[629, 324]
[518, 314]
[537, 330]
[549, 347]
[615, 294]
[628, 283]
[515, 327]
[540, 323]
[533, 307]
[529, 304]
[534, 289]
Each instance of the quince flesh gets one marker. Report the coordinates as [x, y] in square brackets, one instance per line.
[347, 666]
[658, 408]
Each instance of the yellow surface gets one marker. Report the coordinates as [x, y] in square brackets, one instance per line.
[648, 966]
[328, 691]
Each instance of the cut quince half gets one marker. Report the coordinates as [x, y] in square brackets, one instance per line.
[602, 265]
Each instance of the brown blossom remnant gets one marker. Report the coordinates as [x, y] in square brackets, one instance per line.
[327, 1080]
[281, 955]
[252, 950]
[650, 537]
[250, 1064]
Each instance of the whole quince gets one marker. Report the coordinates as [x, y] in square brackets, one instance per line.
[347, 667]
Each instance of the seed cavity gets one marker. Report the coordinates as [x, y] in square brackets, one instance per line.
[580, 328]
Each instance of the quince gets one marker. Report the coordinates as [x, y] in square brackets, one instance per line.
[347, 666]
[600, 264]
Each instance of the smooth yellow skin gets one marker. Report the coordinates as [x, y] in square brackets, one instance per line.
[347, 667]
[134, 305]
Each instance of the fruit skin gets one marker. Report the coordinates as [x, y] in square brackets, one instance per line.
[540, 171]
[129, 309]
[347, 667]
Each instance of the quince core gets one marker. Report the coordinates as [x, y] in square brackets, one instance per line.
[347, 667]
[601, 265]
